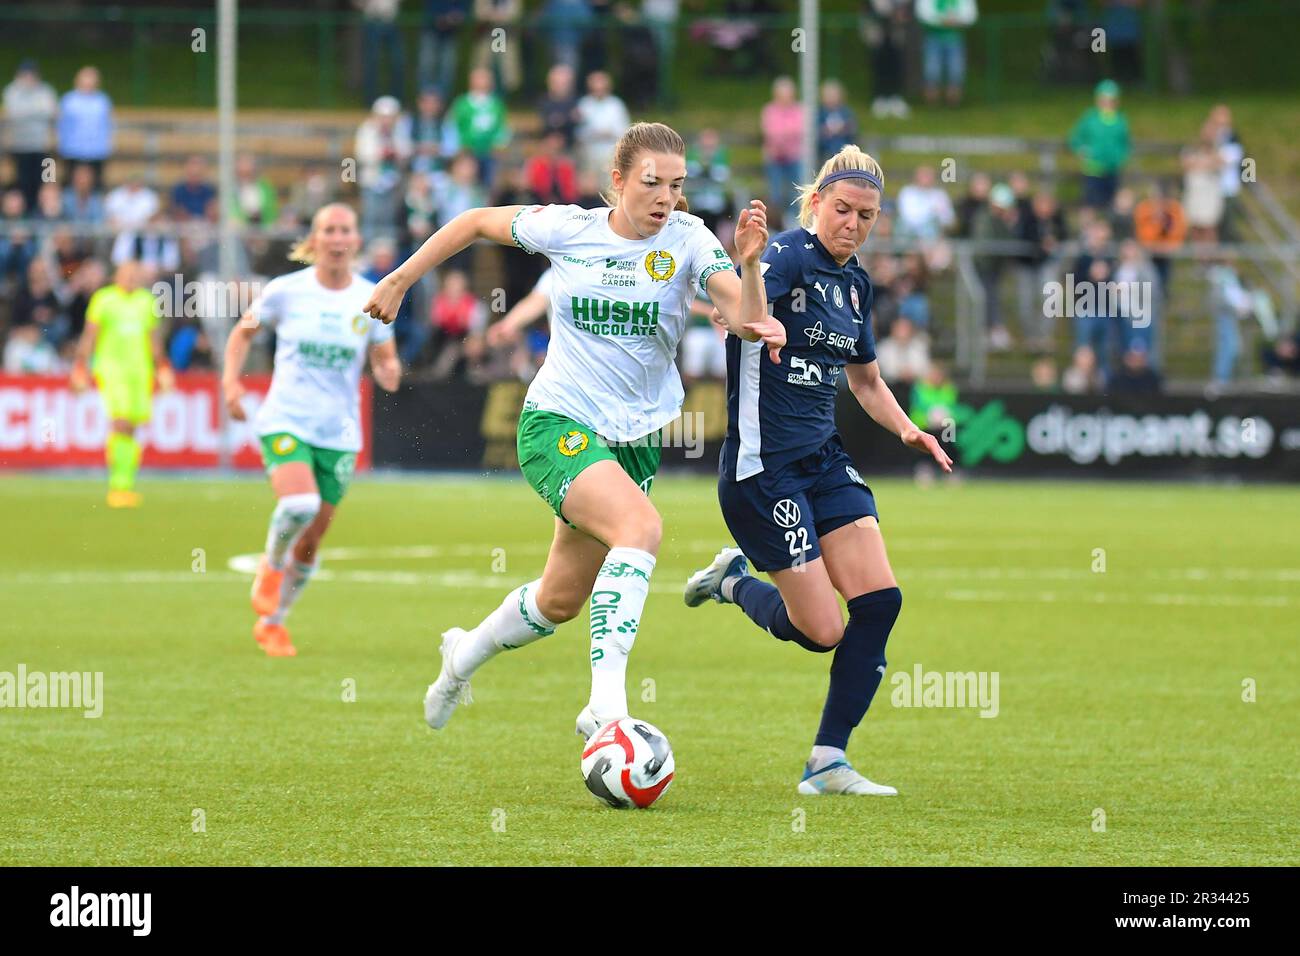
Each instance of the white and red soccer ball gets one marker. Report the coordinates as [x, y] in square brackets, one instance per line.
[628, 763]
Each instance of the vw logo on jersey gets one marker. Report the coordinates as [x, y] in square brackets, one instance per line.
[815, 334]
[786, 513]
[839, 298]
[857, 307]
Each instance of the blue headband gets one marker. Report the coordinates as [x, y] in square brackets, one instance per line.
[852, 174]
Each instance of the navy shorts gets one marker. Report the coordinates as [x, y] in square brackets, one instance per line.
[779, 515]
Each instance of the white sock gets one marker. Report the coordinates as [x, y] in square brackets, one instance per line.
[512, 625]
[617, 601]
[728, 587]
[292, 513]
[296, 576]
[824, 757]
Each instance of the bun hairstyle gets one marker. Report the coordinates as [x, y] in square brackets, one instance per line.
[650, 138]
[302, 250]
[849, 159]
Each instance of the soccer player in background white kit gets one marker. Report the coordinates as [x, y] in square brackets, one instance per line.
[623, 285]
[310, 422]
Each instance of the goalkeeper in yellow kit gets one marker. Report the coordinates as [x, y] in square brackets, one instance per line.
[122, 330]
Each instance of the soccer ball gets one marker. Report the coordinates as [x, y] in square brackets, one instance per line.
[628, 763]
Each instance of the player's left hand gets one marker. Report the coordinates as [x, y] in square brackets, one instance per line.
[166, 378]
[772, 333]
[751, 233]
[927, 444]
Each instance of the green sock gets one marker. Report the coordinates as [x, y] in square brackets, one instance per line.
[123, 456]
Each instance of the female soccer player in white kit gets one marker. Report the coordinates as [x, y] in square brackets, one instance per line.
[623, 284]
[310, 422]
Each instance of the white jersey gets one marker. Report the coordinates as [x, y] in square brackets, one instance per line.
[618, 309]
[322, 339]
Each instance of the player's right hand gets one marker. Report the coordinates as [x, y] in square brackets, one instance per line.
[772, 333]
[502, 333]
[386, 299]
[233, 394]
[79, 379]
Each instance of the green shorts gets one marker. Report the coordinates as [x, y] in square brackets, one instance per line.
[553, 450]
[127, 393]
[332, 468]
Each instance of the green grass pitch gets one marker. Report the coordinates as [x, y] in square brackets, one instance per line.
[1120, 690]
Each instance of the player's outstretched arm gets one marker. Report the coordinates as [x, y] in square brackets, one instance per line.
[487, 222]
[232, 366]
[869, 388]
[385, 365]
[741, 301]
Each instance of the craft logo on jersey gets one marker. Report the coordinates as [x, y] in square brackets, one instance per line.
[284, 445]
[360, 323]
[786, 513]
[571, 443]
[661, 265]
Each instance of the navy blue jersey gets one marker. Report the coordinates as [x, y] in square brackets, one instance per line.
[778, 413]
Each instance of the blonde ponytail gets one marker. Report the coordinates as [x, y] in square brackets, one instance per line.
[849, 158]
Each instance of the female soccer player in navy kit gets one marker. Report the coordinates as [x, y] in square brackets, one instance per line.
[790, 494]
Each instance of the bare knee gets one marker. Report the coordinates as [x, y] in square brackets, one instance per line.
[643, 530]
[561, 606]
[825, 631]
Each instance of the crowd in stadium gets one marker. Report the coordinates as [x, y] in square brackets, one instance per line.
[455, 148]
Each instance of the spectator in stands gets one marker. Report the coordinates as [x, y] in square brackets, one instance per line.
[85, 126]
[458, 319]
[925, 212]
[1101, 141]
[904, 354]
[1081, 378]
[1122, 22]
[497, 24]
[566, 22]
[190, 196]
[433, 140]
[1042, 375]
[27, 353]
[703, 347]
[1045, 229]
[1135, 375]
[30, 106]
[49, 204]
[87, 279]
[558, 109]
[383, 148]
[836, 124]
[943, 25]
[479, 118]
[911, 290]
[38, 303]
[973, 203]
[1231, 154]
[997, 222]
[1203, 186]
[455, 191]
[188, 348]
[1281, 357]
[602, 120]
[550, 174]
[130, 205]
[82, 204]
[1160, 225]
[660, 17]
[1094, 325]
[883, 269]
[68, 252]
[708, 170]
[782, 124]
[1120, 214]
[1230, 303]
[17, 245]
[255, 201]
[884, 30]
[438, 40]
[934, 399]
[312, 188]
[153, 244]
[381, 36]
[1141, 315]
[421, 208]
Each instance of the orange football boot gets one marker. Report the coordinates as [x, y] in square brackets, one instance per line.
[274, 639]
[266, 588]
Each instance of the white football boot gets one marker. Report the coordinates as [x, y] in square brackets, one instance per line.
[448, 690]
[707, 582]
[588, 723]
[840, 778]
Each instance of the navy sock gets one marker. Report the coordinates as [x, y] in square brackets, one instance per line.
[859, 665]
[762, 602]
